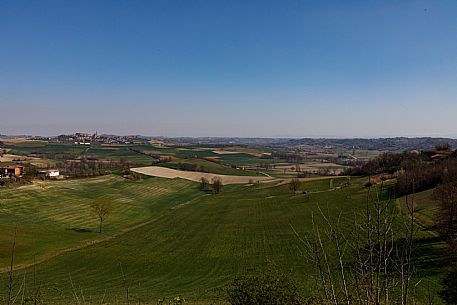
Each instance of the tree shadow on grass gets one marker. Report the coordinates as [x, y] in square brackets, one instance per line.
[79, 230]
[429, 255]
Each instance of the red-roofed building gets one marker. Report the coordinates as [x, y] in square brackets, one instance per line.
[11, 171]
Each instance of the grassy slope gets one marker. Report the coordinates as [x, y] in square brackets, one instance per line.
[118, 153]
[196, 248]
[202, 245]
[244, 159]
[429, 249]
[49, 219]
[210, 167]
[26, 148]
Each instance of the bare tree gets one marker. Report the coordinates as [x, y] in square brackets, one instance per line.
[294, 185]
[204, 183]
[10, 273]
[15, 292]
[102, 208]
[373, 259]
[217, 185]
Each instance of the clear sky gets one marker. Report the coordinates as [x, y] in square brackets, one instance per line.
[229, 68]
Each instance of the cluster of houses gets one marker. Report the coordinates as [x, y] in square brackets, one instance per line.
[88, 138]
[11, 171]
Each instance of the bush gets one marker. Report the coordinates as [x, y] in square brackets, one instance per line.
[175, 301]
[266, 289]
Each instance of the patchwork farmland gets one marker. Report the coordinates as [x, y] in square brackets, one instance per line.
[157, 171]
[191, 243]
[165, 236]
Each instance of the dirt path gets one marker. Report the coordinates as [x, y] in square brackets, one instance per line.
[266, 175]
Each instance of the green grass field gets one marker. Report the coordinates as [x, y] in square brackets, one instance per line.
[244, 159]
[210, 167]
[195, 245]
[59, 215]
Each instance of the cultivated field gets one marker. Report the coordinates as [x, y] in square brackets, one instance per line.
[11, 158]
[311, 167]
[53, 216]
[157, 171]
[209, 165]
[166, 237]
[195, 247]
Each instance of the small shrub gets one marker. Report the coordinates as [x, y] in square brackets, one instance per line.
[175, 301]
[266, 289]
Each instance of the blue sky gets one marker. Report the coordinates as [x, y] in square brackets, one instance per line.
[229, 68]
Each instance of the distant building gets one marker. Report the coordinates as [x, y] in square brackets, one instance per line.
[49, 173]
[11, 171]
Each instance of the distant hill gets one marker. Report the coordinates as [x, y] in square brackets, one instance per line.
[2, 136]
[383, 144]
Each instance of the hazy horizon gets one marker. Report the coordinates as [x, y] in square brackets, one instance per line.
[241, 137]
[335, 69]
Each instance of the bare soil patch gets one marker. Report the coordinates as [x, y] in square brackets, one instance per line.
[11, 158]
[169, 173]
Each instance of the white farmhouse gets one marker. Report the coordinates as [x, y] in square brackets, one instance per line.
[52, 173]
[49, 173]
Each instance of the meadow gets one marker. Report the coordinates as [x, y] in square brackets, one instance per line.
[210, 167]
[50, 216]
[195, 244]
